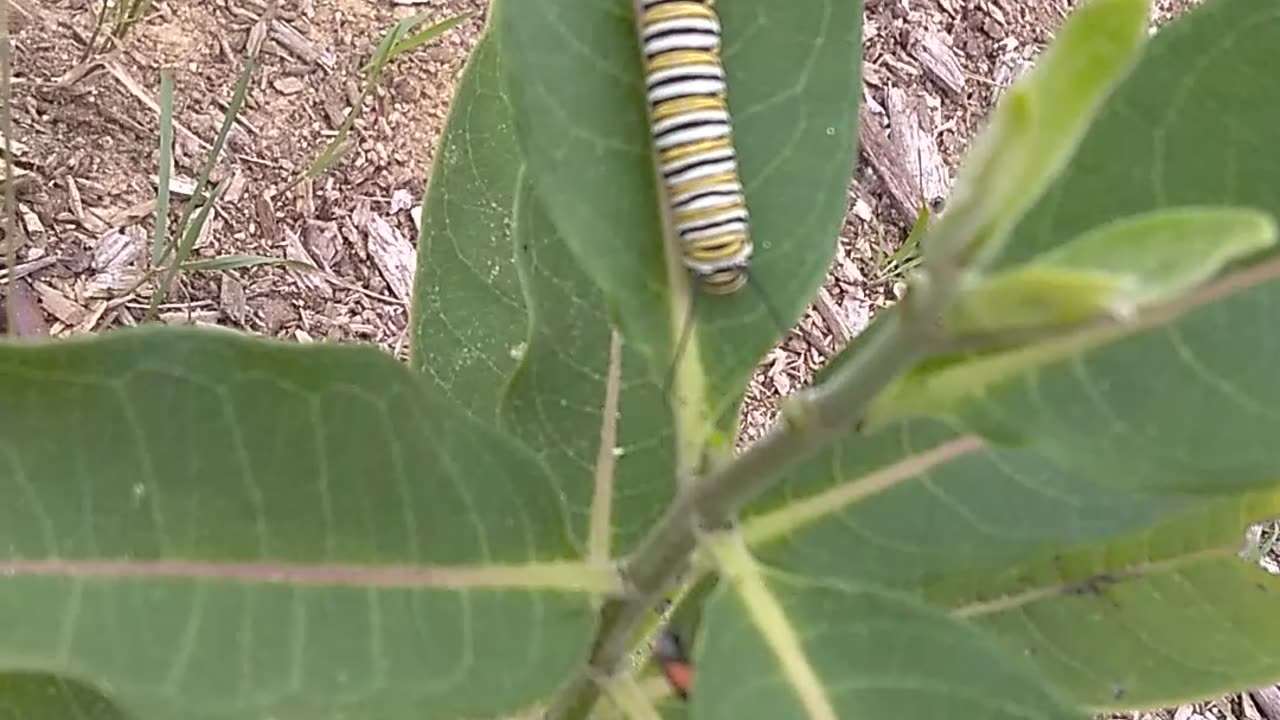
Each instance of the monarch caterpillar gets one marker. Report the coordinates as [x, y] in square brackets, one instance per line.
[693, 138]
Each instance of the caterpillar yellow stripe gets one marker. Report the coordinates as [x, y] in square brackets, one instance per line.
[693, 135]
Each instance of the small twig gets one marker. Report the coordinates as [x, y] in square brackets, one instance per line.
[9, 274]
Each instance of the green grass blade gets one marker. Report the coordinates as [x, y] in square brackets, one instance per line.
[392, 44]
[166, 167]
[236, 262]
[184, 249]
[237, 101]
[427, 34]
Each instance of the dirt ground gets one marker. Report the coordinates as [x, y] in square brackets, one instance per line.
[85, 139]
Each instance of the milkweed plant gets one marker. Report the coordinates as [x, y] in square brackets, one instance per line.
[1020, 492]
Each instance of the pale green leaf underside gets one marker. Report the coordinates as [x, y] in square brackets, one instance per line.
[1036, 126]
[1190, 406]
[227, 457]
[1113, 270]
[1035, 297]
[1166, 252]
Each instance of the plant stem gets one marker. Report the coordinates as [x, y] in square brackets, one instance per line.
[815, 419]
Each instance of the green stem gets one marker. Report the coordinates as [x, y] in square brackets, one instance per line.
[815, 419]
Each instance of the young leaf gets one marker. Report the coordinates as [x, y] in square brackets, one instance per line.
[1166, 252]
[1038, 297]
[1036, 128]
[1113, 270]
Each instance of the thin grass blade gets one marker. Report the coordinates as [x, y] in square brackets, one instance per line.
[233, 110]
[237, 262]
[161, 233]
[426, 35]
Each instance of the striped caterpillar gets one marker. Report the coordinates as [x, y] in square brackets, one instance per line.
[693, 136]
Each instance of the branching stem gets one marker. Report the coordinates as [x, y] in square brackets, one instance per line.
[817, 418]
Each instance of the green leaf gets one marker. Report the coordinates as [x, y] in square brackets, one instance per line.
[1179, 612]
[1008, 538]
[1166, 252]
[394, 42]
[207, 525]
[878, 654]
[899, 259]
[507, 323]
[578, 94]
[1037, 297]
[160, 233]
[191, 224]
[470, 325]
[1036, 128]
[1132, 404]
[1113, 270]
[957, 505]
[1187, 406]
[1147, 455]
[558, 400]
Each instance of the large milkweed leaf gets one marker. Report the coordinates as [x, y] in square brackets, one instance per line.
[877, 654]
[469, 321]
[507, 323]
[1004, 537]
[579, 98]
[919, 504]
[1187, 406]
[582, 397]
[1181, 612]
[201, 524]
[1141, 460]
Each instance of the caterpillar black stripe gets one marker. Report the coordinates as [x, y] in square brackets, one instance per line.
[693, 136]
